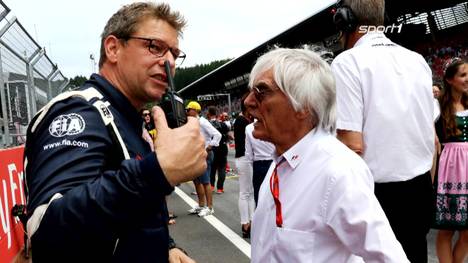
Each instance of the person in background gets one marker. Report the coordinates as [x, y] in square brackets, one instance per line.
[220, 152]
[438, 147]
[224, 117]
[436, 89]
[148, 123]
[96, 191]
[149, 135]
[436, 92]
[385, 114]
[149, 131]
[259, 153]
[244, 170]
[452, 180]
[202, 183]
[316, 202]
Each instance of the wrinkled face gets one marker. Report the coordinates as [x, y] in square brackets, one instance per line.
[459, 82]
[140, 73]
[272, 109]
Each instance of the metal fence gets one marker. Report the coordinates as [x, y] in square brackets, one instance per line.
[28, 79]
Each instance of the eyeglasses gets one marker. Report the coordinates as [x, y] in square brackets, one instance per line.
[262, 92]
[146, 114]
[159, 48]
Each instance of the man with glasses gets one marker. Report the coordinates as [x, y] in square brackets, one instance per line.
[316, 203]
[96, 191]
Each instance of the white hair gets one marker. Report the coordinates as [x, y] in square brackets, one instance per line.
[307, 81]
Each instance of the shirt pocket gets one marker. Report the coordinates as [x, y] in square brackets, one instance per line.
[293, 245]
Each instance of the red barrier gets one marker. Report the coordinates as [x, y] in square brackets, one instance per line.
[11, 193]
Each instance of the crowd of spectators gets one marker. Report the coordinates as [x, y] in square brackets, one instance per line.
[437, 53]
[223, 106]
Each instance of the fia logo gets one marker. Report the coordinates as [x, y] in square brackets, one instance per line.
[69, 124]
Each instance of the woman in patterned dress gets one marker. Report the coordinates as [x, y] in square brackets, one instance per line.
[452, 182]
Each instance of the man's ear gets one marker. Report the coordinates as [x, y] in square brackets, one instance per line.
[112, 45]
[307, 116]
[303, 114]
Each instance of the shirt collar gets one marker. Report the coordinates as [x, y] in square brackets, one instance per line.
[116, 99]
[296, 153]
[369, 37]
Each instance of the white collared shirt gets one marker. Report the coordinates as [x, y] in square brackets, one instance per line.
[210, 133]
[328, 206]
[255, 149]
[384, 91]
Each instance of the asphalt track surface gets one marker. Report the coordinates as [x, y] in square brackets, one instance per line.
[218, 238]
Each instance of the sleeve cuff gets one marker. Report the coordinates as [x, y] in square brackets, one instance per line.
[154, 175]
[348, 126]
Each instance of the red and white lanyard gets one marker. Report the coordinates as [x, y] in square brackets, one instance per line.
[274, 188]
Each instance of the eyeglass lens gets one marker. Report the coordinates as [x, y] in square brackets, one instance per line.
[159, 48]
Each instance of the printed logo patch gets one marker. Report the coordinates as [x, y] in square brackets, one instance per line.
[69, 124]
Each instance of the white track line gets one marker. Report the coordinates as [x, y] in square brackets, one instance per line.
[240, 243]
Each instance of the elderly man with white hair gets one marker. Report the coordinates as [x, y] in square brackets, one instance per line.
[316, 203]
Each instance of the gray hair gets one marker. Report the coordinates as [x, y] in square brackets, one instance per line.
[367, 12]
[306, 80]
[125, 22]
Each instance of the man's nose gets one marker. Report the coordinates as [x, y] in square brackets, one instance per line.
[250, 100]
[169, 57]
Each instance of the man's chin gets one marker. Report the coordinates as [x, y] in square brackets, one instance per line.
[156, 96]
[257, 134]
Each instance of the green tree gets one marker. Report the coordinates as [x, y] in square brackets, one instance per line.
[185, 76]
[76, 82]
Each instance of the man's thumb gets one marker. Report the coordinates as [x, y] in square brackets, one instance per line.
[159, 118]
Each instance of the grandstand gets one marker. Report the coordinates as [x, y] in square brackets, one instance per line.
[436, 29]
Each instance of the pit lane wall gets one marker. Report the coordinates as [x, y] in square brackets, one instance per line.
[11, 193]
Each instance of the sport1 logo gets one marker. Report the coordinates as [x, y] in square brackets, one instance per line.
[69, 124]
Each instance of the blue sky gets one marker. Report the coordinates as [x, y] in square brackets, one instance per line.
[217, 29]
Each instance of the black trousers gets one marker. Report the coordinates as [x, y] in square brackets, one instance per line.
[409, 206]
[219, 165]
[260, 168]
